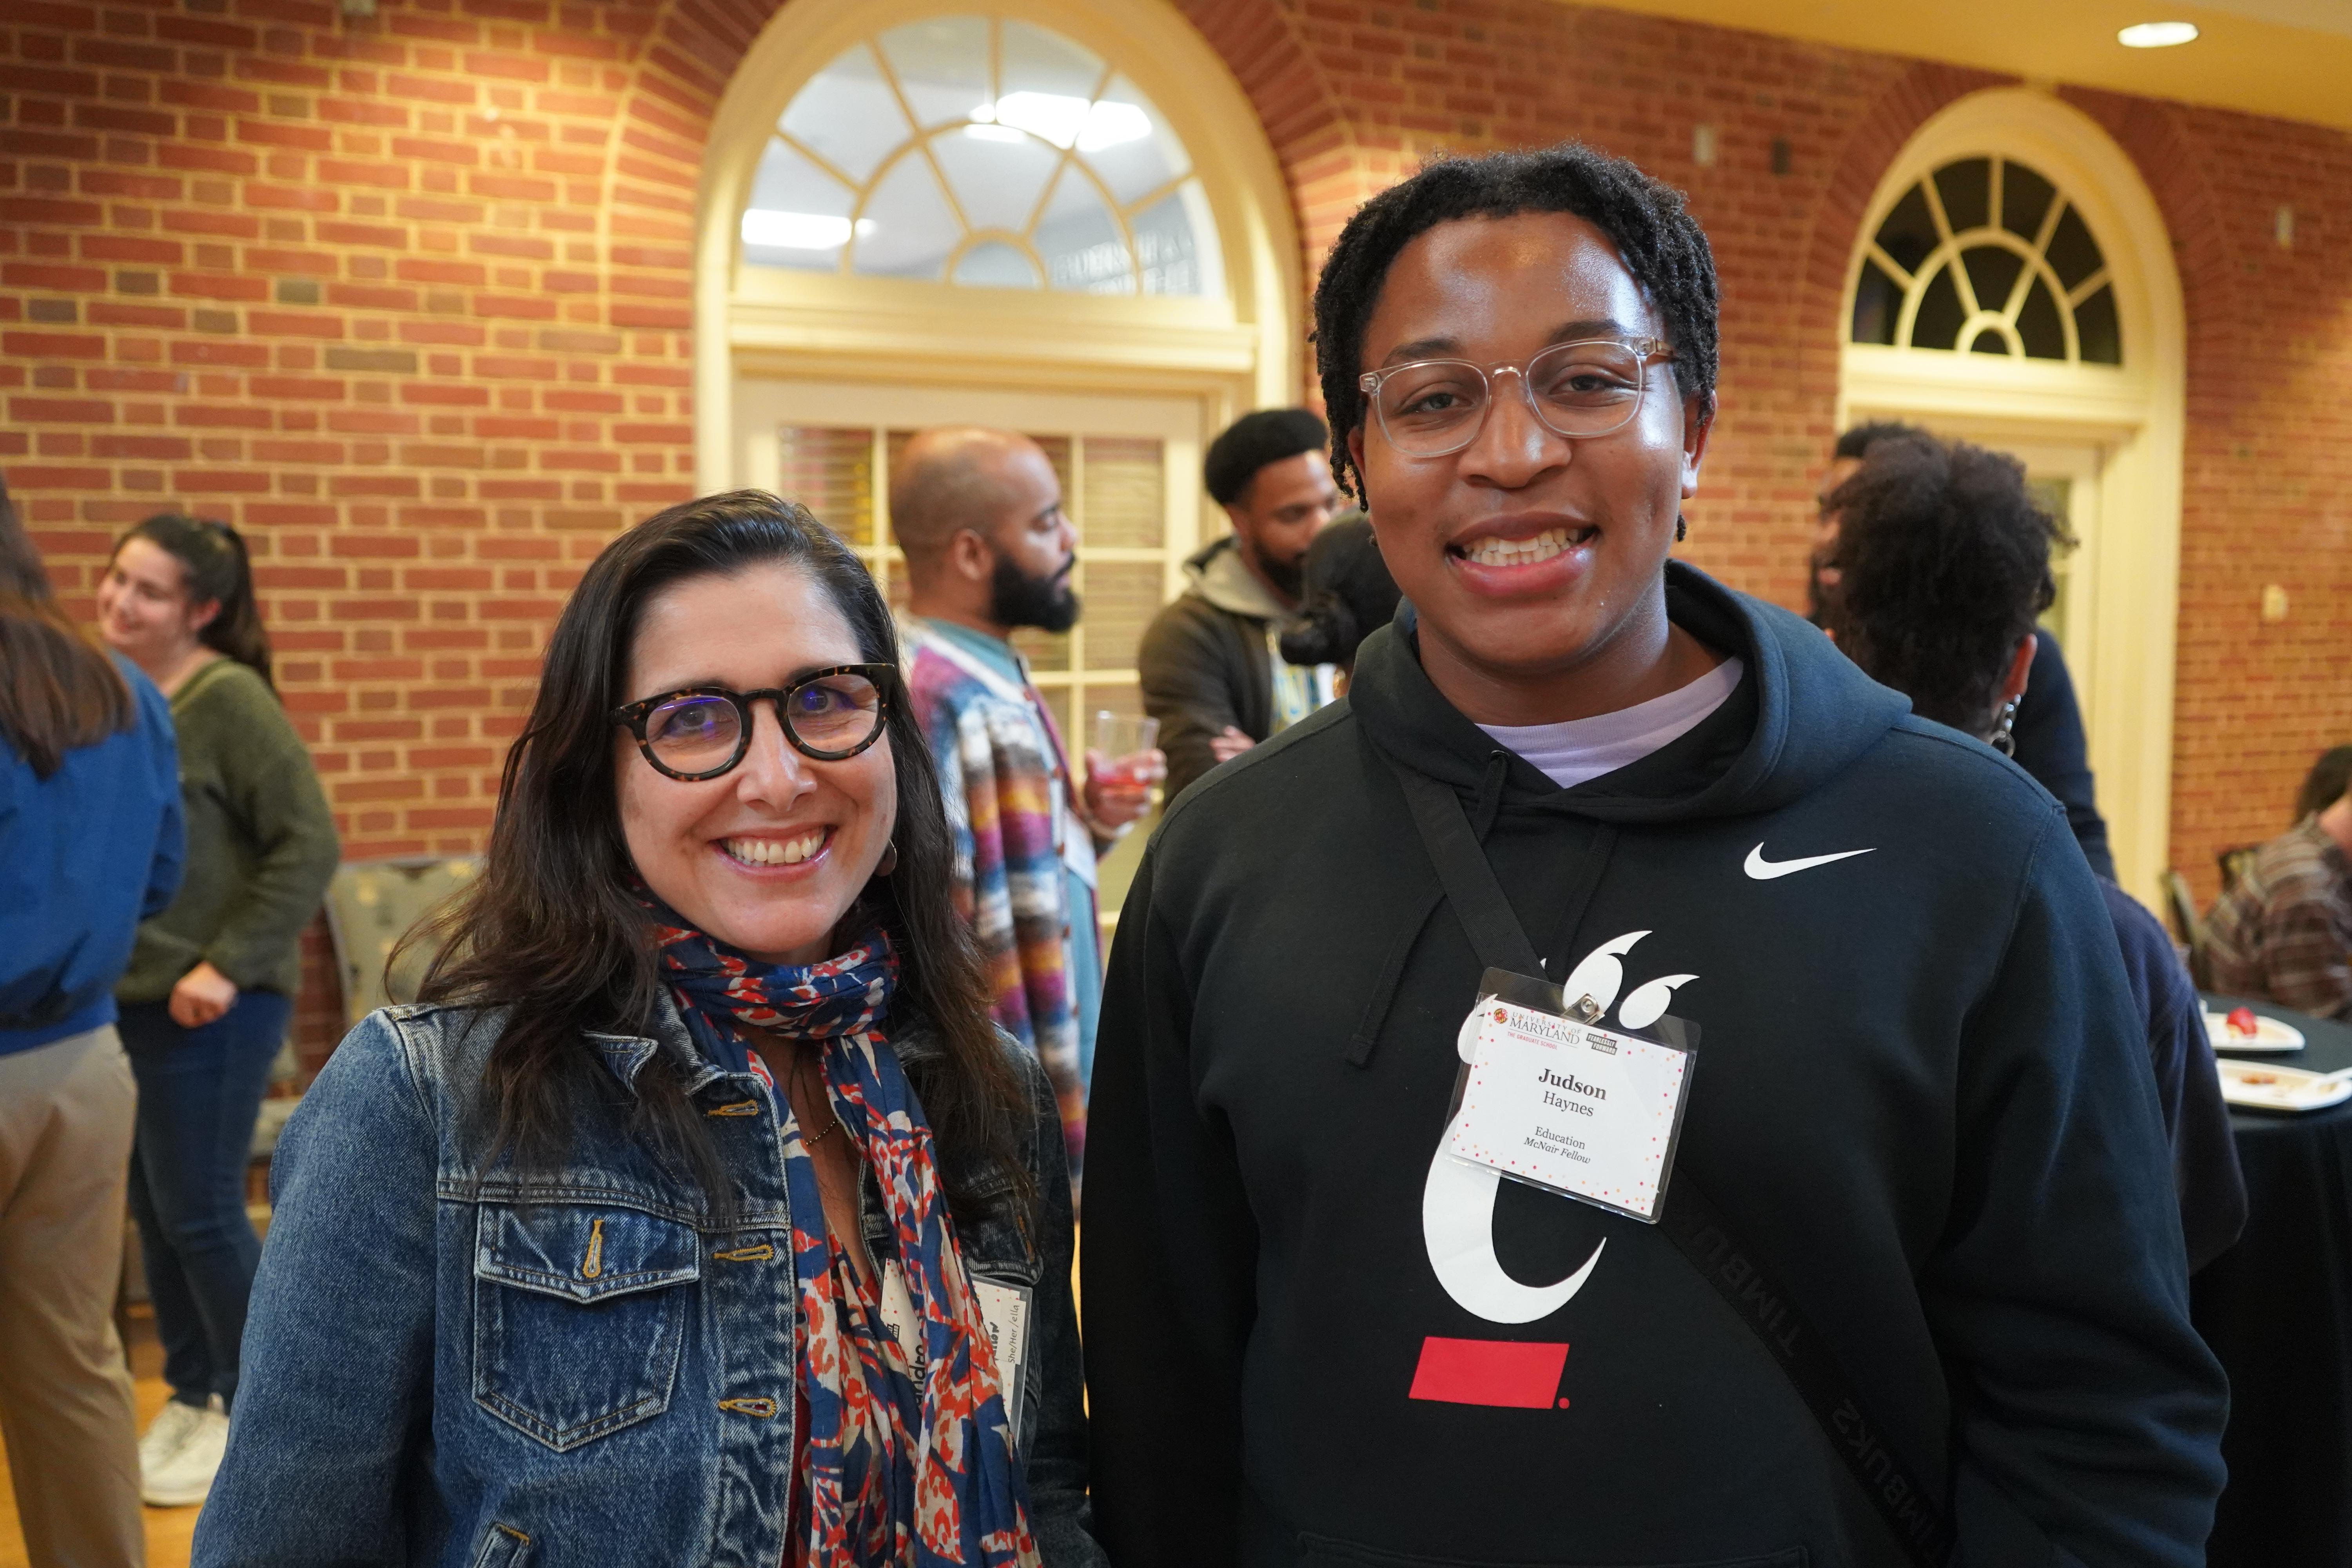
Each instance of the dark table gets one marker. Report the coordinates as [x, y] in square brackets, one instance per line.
[2277, 1309]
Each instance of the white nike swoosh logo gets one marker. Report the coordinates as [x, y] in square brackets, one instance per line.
[1764, 870]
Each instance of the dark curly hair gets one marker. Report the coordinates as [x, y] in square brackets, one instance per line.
[1662, 243]
[1255, 440]
[1942, 558]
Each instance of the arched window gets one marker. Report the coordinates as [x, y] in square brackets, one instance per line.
[2011, 283]
[1096, 169]
[1988, 256]
[986, 151]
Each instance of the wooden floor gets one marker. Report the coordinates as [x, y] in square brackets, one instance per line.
[168, 1530]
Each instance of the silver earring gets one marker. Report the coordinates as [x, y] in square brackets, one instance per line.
[889, 862]
[2001, 738]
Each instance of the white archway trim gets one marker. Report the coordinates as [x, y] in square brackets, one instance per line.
[1240, 350]
[2134, 415]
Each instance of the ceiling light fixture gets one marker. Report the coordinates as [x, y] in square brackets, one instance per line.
[2157, 34]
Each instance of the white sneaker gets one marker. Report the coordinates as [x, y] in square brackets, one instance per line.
[167, 1435]
[182, 1481]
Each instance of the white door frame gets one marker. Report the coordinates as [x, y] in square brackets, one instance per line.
[2133, 415]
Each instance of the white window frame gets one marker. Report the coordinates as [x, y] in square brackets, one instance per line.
[1231, 353]
[2133, 415]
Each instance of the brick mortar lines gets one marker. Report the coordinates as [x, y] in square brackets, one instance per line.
[373, 292]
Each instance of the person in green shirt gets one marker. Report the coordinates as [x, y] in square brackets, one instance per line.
[206, 1000]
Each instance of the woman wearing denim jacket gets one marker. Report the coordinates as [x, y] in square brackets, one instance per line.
[699, 1214]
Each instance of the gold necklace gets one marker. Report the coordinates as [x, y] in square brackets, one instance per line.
[823, 1097]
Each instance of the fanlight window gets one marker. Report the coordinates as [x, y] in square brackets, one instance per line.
[982, 152]
[1987, 256]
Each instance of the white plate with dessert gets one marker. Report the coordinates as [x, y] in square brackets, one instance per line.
[2264, 1086]
[2243, 1029]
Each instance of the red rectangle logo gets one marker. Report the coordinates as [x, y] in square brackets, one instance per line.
[1489, 1372]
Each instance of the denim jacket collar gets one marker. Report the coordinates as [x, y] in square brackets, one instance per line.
[626, 1055]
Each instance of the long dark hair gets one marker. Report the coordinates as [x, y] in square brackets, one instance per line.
[552, 933]
[214, 565]
[57, 690]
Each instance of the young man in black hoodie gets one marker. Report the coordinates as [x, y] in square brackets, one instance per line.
[1943, 1297]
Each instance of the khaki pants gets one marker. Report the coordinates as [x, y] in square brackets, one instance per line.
[67, 1109]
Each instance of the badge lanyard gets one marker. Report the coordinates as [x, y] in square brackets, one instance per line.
[1545, 1096]
[1742, 1276]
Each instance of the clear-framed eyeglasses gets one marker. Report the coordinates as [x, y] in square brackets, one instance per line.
[1430, 407]
[702, 732]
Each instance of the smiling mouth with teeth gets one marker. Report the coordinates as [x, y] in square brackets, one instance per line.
[776, 851]
[1524, 551]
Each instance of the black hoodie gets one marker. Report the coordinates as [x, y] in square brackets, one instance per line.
[1920, 1093]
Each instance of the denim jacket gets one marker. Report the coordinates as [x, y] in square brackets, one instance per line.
[465, 1367]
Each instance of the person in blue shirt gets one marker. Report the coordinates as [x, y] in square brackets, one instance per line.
[91, 842]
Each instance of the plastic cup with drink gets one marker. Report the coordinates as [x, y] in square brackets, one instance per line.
[1124, 745]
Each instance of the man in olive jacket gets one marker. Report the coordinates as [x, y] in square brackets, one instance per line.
[1212, 674]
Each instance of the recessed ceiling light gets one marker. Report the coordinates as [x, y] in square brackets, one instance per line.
[2157, 35]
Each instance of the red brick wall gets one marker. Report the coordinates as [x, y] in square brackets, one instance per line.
[396, 297]
[406, 299]
[377, 292]
[2267, 490]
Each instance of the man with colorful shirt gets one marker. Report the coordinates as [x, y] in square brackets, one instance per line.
[2284, 932]
[978, 514]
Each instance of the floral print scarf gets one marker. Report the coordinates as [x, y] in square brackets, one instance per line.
[905, 1465]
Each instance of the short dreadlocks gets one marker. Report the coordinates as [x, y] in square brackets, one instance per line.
[1662, 243]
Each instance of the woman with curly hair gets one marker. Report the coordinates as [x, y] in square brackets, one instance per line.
[1942, 558]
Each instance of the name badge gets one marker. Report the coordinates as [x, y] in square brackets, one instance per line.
[1547, 1100]
[902, 1324]
[1006, 1309]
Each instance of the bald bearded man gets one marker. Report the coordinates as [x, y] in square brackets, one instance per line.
[978, 514]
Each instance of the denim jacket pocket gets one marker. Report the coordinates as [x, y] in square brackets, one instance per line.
[579, 1316]
[503, 1547]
